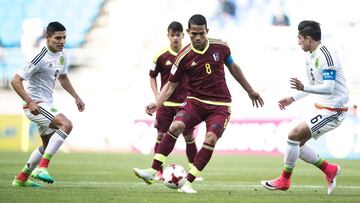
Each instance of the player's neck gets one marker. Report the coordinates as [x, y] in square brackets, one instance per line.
[175, 48]
[314, 46]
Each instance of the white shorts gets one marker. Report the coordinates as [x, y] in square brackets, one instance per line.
[43, 120]
[323, 121]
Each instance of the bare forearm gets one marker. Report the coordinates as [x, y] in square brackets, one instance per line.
[166, 92]
[240, 77]
[66, 84]
[153, 85]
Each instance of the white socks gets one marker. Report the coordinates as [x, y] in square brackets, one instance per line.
[35, 158]
[291, 153]
[308, 155]
[55, 142]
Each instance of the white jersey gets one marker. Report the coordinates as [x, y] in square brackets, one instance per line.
[41, 74]
[323, 64]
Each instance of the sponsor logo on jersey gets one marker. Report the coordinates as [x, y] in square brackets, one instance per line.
[216, 56]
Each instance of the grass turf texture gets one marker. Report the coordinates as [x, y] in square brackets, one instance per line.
[99, 177]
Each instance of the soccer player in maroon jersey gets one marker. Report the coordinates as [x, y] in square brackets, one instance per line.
[162, 64]
[209, 99]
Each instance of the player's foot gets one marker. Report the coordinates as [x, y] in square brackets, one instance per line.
[331, 177]
[158, 176]
[199, 178]
[187, 188]
[276, 184]
[27, 183]
[148, 175]
[42, 174]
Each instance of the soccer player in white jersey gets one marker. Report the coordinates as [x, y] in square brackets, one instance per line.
[41, 74]
[326, 79]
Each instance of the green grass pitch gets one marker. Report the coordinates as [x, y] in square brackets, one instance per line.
[100, 177]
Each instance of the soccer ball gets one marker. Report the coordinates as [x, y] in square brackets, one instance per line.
[174, 176]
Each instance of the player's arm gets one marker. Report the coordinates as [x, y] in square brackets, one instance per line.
[239, 76]
[154, 87]
[327, 87]
[66, 84]
[16, 83]
[164, 94]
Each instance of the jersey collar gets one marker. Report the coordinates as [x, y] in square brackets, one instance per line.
[203, 51]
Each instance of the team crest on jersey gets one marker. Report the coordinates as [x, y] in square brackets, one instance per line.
[317, 63]
[168, 63]
[62, 60]
[216, 56]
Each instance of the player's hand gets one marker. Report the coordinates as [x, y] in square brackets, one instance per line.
[285, 102]
[151, 108]
[34, 108]
[296, 84]
[80, 104]
[256, 99]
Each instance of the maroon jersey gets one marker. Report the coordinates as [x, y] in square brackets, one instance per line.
[162, 64]
[205, 71]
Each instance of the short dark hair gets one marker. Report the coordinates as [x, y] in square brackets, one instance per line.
[310, 28]
[197, 19]
[54, 27]
[176, 27]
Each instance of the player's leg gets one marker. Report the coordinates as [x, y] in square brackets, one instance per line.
[164, 118]
[42, 122]
[22, 179]
[165, 147]
[63, 127]
[319, 125]
[191, 148]
[216, 121]
[167, 144]
[300, 134]
[331, 171]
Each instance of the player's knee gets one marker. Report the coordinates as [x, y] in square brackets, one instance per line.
[177, 127]
[189, 137]
[294, 134]
[211, 138]
[160, 135]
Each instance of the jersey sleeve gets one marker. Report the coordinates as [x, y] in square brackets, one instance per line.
[155, 67]
[176, 73]
[28, 69]
[228, 60]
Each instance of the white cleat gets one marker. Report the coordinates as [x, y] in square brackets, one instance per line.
[187, 188]
[332, 180]
[148, 175]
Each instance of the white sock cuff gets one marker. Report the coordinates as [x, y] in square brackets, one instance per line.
[292, 142]
[61, 133]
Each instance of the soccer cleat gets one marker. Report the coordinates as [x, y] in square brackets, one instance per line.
[159, 176]
[27, 183]
[276, 184]
[331, 178]
[148, 175]
[42, 174]
[187, 188]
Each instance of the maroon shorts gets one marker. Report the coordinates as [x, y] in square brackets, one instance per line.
[193, 112]
[164, 118]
